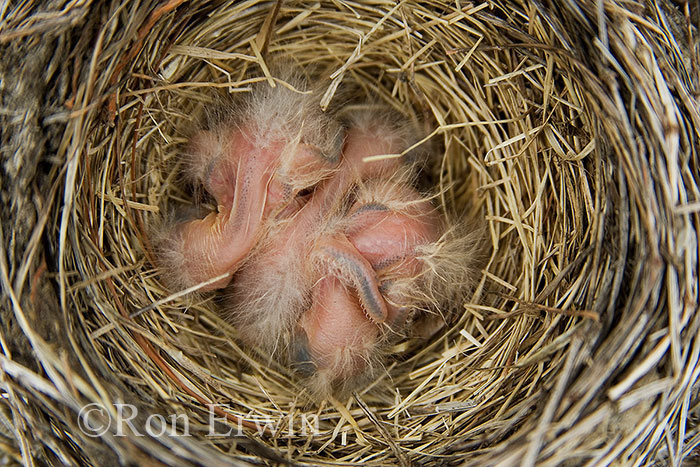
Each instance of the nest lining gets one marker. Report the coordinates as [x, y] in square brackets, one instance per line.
[567, 305]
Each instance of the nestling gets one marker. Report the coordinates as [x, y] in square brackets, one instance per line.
[332, 251]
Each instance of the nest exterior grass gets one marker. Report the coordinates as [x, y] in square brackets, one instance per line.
[571, 129]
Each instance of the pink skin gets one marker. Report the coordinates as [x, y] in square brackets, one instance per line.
[340, 337]
[369, 139]
[373, 136]
[249, 183]
[342, 324]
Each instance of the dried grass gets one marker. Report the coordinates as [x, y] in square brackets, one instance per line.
[571, 129]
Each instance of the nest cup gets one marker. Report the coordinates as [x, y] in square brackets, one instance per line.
[570, 131]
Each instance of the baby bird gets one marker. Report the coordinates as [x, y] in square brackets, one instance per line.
[331, 252]
[276, 144]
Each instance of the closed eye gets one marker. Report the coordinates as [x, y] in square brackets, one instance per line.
[306, 192]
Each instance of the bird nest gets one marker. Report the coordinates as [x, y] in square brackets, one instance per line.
[569, 131]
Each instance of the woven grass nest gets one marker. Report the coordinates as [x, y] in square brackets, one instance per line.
[571, 129]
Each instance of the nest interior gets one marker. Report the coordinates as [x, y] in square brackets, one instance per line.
[570, 130]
